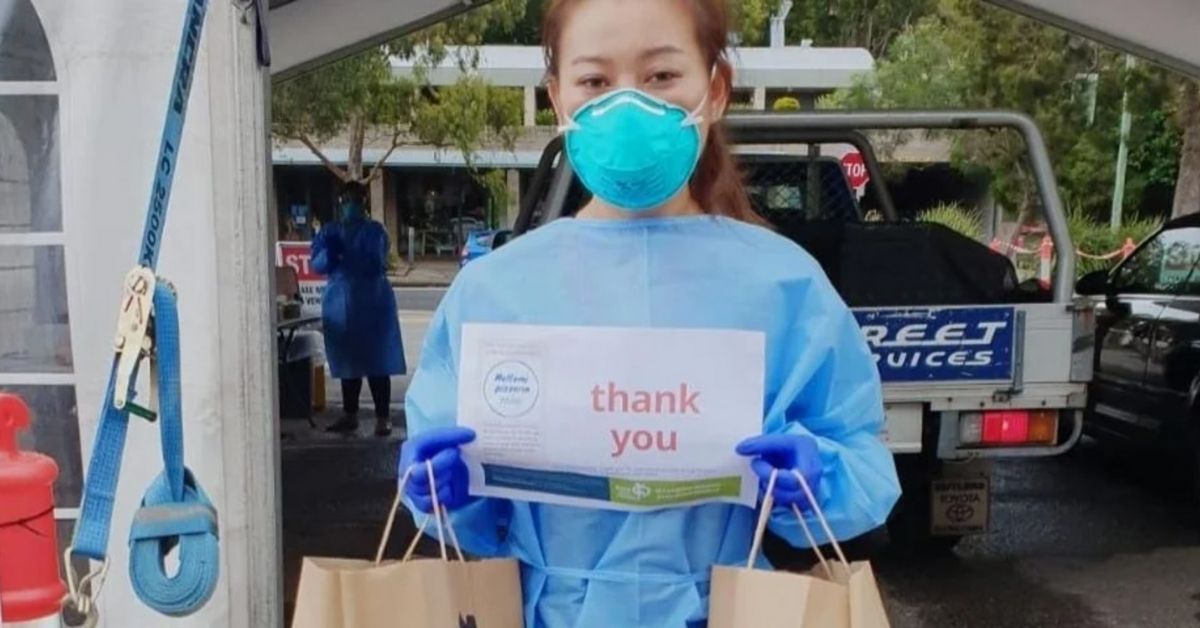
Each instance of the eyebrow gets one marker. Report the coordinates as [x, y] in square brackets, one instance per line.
[648, 54]
[661, 51]
[589, 59]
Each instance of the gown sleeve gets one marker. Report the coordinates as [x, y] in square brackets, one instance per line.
[432, 401]
[326, 250]
[831, 391]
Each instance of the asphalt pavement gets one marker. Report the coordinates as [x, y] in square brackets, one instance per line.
[1091, 539]
[1087, 540]
[418, 299]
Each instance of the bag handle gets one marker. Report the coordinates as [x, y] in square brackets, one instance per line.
[765, 516]
[441, 516]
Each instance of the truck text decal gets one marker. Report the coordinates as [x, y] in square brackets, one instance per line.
[955, 344]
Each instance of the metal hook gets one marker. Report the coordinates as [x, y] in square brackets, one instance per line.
[77, 600]
[243, 6]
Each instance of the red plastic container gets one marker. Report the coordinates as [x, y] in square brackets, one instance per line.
[30, 586]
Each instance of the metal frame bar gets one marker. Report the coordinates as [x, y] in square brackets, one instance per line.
[545, 168]
[1039, 157]
[561, 183]
[560, 187]
[854, 138]
[779, 127]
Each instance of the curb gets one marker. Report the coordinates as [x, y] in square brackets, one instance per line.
[419, 284]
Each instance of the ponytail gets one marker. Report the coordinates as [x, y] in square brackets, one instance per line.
[717, 183]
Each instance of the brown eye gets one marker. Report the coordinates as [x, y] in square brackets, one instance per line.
[662, 78]
[593, 82]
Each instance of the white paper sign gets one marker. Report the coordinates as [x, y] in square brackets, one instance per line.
[624, 419]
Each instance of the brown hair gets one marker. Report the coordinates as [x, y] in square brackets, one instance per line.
[717, 183]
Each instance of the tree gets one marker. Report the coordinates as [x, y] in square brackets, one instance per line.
[751, 21]
[967, 54]
[870, 24]
[525, 30]
[360, 98]
[1187, 189]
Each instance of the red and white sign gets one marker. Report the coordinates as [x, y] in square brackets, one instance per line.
[298, 255]
[856, 169]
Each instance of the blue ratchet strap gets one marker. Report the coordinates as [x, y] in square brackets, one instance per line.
[175, 511]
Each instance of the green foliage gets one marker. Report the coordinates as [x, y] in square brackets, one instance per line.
[496, 184]
[964, 221]
[1154, 156]
[321, 104]
[1088, 234]
[545, 117]
[786, 103]
[467, 114]
[495, 19]
[525, 30]
[967, 54]
[360, 95]
[1096, 238]
[873, 25]
[751, 20]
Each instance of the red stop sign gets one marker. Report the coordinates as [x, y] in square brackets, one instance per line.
[856, 169]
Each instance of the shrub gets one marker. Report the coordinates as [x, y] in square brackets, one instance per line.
[545, 117]
[786, 103]
[964, 221]
[1096, 238]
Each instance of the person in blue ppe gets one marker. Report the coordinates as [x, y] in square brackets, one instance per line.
[667, 240]
[358, 308]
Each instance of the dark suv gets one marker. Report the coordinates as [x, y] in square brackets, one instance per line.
[1146, 389]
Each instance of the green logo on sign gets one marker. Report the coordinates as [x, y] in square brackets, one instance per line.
[651, 493]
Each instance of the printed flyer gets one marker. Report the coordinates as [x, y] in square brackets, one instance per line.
[617, 418]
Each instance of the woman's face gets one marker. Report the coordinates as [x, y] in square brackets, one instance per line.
[646, 44]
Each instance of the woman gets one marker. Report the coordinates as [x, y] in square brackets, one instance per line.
[668, 240]
[362, 327]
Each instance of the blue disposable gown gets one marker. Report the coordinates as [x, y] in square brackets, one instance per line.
[358, 308]
[585, 568]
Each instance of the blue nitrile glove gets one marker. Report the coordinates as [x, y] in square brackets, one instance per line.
[440, 446]
[785, 453]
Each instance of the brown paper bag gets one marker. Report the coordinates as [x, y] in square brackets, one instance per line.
[410, 593]
[835, 594]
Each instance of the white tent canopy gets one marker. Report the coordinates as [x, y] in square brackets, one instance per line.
[305, 33]
[1164, 31]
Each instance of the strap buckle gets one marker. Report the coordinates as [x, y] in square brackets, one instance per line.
[82, 593]
[174, 519]
[134, 340]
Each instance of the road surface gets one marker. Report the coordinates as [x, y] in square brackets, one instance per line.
[419, 299]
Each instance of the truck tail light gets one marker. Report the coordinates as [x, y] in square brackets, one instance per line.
[1009, 428]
